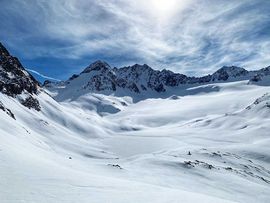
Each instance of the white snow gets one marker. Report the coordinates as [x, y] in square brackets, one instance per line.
[71, 152]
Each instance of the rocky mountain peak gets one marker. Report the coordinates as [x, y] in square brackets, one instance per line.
[227, 72]
[233, 69]
[97, 66]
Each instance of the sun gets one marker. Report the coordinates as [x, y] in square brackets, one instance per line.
[164, 6]
[164, 10]
[161, 10]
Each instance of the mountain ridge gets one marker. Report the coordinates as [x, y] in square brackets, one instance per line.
[136, 79]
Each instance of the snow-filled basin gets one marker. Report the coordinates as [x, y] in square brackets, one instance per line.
[126, 146]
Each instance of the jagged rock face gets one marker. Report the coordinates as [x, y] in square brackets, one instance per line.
[97, 66]
[13, 77]
[172, 79]
[140, 78]
[101, 77]
[136, 78]
[101, 82]
[14, 80]
[227, 72]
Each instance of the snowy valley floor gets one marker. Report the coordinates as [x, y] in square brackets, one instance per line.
[202, 147]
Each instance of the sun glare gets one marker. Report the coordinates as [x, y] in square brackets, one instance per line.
[165, 9]
[164, 6]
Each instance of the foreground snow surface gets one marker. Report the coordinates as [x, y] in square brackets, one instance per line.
[198, 147]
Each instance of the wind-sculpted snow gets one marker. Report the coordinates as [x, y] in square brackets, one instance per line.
[211, 147]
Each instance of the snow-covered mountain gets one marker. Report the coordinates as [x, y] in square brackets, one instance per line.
[138, 80]
[134, 134]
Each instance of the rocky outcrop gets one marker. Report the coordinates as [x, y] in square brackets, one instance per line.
[8, 111]
[31, 103]
[14, 79]
[261, 102]
[229, 72]
[256, 78]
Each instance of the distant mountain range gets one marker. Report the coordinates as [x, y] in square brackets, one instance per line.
[143, 80]
[100, 77]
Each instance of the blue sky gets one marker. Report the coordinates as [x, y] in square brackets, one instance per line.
[195, 37]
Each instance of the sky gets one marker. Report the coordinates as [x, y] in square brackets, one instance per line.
[59, 38]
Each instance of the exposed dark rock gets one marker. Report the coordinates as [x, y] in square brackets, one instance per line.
[160, 88]
[123, 103]
[31, 102]
[50, 84]
[97, 66]
[256, 78]
[189, 164]
[174, 97]
[73, 77]
[143, 88]
[14, 78]
[8, 111]
[47, 82]
[115, 166]
[133, 87]
[227, 72]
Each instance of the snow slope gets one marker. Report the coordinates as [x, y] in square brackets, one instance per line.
[69, 153]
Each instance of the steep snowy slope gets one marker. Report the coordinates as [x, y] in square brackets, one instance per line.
[27, 110]
[199, 143]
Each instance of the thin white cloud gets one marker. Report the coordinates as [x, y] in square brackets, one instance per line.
[196, 36]
[42, 76]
